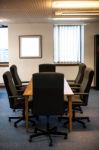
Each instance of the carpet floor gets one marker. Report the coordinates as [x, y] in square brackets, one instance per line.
[12, 138]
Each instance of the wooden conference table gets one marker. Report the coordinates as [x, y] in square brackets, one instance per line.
[67, 92]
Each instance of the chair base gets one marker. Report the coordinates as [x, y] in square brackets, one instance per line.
[74, 119]
[48, 132]
[79, 109]
[21, 119]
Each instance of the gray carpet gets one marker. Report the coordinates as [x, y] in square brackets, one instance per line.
[82, 139]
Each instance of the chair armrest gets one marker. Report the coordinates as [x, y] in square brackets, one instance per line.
[74, 84]
[25, 81]
[70, 80]
[17, 100]
[80, 93]
[75, 88]
[17, 96]
[20, 85]
[20, 90]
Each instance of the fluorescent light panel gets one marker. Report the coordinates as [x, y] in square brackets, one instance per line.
[76, 4]
[77, 13]
[71, 19]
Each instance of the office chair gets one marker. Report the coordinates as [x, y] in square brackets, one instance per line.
[79, 76]
[47, 68]
[78, 80]
[81, 98]
[16, 101]
[18, 83]
[48, 100]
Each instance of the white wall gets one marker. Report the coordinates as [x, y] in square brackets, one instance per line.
[26, 67]
[2, 70]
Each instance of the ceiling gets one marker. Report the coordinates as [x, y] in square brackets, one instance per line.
[29, 11]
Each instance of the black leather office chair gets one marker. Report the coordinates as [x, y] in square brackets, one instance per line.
[79, 76]
[16, 101]
[81, 98]
[47, 68]
[78, 80]
[48, 100]
[18, 83]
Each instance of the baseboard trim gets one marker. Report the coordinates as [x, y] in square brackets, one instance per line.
[2, 85]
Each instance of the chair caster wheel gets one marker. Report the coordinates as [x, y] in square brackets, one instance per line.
[9, 120]
[65, 124]
[35, 131]
[65, 137]
[30, 140]
[84, 126]
[15, 125]
[50, 144]
[59, 119]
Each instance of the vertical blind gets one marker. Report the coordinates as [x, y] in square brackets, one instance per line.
[3, 45]
[68, 43]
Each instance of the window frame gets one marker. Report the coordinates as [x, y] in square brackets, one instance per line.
[81, 47]
[4, 64]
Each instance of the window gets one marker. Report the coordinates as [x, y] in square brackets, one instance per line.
[68, 43]
[3, 45]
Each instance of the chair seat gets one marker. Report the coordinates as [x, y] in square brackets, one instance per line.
[75, 100]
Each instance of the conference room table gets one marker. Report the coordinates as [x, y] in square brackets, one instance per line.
[67, 92]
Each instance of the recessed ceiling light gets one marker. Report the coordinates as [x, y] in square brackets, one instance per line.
[1, 20]
[71, 19]
[63, 13]
[76, 4]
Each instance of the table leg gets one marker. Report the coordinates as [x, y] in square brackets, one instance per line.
[70, 111]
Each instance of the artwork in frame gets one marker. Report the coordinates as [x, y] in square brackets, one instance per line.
[30, 46]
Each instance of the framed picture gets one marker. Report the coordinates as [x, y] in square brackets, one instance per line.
[30, 46]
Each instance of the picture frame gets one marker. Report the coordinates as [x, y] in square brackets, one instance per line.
[30, 46]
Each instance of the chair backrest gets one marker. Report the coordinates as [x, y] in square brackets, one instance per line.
[86, 84]
[14, 72]
[80, 74]
[10, 87]
[47, 68]
[48, 93]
